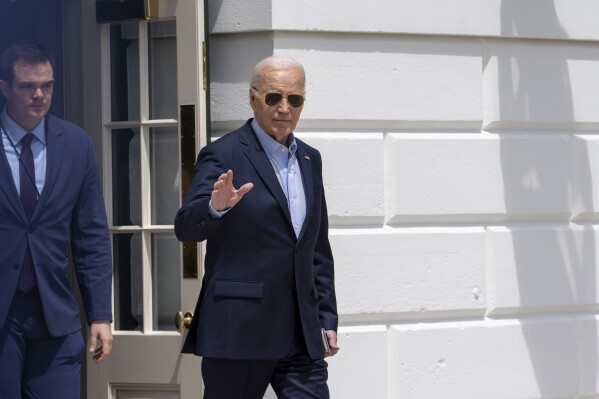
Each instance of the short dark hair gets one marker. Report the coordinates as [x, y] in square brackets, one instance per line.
[27, 50]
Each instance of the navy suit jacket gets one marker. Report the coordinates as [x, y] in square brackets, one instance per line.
[69, 213]
[254, 263]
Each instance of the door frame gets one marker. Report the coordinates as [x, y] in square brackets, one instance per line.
[192, 90]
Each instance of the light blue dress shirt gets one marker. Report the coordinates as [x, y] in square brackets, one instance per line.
[286, 167]
[11, 131]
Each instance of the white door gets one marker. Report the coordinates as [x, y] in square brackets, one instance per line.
[153, 108]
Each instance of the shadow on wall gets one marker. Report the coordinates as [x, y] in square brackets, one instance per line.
[555, 265]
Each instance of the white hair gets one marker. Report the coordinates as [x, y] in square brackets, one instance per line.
[275, 61]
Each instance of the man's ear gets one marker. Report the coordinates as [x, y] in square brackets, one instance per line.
[252, 98]
[4, 86]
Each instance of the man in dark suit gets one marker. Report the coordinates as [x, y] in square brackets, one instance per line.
[268, 287]
[51, 205]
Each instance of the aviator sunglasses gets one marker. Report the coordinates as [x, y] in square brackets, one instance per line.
[273, 98]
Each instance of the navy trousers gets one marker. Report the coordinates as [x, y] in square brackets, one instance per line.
[296, 376]
[34, 365]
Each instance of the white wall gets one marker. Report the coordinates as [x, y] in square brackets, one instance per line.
[460, 146]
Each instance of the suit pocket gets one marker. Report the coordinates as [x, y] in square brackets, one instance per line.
[239, 289]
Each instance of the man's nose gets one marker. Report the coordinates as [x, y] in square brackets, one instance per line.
[38, 92]
[284, 105]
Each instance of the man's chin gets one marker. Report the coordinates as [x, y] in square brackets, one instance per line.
[38, 114]
[283, 127]
[32, 119]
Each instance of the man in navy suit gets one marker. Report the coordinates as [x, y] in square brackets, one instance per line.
[268, 294]
[51, 205]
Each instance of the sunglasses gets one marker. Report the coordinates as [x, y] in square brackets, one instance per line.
[273, 98]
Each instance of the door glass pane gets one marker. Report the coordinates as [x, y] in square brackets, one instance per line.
[162, 43]
[124, 72]
[126, 177]
[128, 299]
[166, 277]
[164, 169]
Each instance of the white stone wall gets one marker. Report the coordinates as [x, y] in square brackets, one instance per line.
[460, 146]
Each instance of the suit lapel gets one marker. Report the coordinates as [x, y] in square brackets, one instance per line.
[54, 156]
[306, 167]
[261, 163]
[7, 185]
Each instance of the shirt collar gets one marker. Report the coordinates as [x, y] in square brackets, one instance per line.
[270, 145]
[16, 132]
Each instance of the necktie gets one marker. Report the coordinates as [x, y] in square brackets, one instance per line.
[28, 194]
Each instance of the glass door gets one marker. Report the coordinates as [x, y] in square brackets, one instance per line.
[153, 125]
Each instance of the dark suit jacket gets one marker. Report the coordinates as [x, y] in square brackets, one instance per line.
[254, 264]
[69, 211]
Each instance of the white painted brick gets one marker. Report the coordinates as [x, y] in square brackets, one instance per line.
[387, 78]
[468, 177]
[543, 266]
[353, 175]
[380, 78]
[235, 16]
[558, 19]
[467, 66]
[270, 394]
[585, 197]
[544, 85]
[503, 359]
[589, 349]
[388, 16]
[409, 270]
[358, 370]
[229, 86]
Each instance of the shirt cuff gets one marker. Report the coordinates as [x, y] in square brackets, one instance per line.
[217, 214]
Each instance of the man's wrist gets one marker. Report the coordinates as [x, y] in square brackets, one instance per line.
[217, 214]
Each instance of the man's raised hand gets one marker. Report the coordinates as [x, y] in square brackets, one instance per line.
[224, 195]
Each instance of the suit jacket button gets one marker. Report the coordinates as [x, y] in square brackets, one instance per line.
[16, 266]
[202, 222]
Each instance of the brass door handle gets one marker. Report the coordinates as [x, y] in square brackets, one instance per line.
[183, 320]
